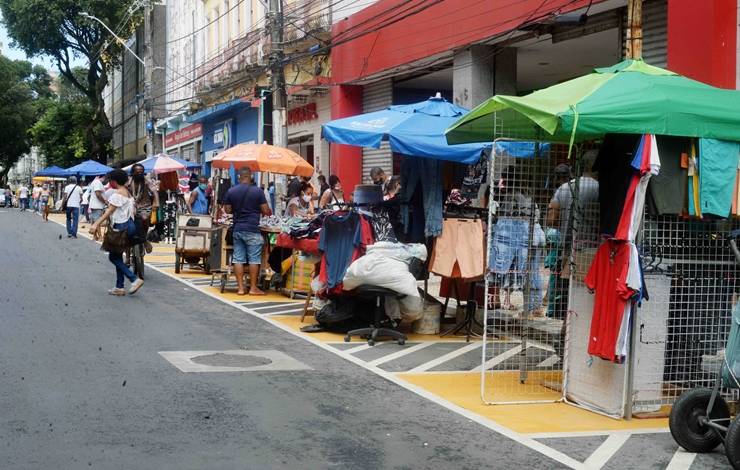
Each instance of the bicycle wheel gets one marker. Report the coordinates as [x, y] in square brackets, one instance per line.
[138, 260]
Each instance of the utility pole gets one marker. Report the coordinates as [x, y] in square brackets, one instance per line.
[277, 74]
[634, 29]
[148, 72]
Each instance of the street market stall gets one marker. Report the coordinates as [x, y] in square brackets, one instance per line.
[656, 218]
[433, 213]
[265, 158]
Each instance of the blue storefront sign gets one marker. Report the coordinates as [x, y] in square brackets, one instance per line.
[224, 126]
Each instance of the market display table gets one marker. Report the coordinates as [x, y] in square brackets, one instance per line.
[306, 245]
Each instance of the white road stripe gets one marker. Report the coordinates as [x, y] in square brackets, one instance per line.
[397, 354]
[553, 435]
[442, 359]
[681, 460]
[277, 305]
[550, 361]
[283, 312]
[359, 348]
[606, 451]
[496, 360]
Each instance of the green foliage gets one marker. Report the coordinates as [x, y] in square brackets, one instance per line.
[55, 28]
[62, 131]
[18, 112]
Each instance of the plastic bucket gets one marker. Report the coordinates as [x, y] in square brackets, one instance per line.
[428, 324]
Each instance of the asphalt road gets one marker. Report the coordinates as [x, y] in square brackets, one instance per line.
[82, 384]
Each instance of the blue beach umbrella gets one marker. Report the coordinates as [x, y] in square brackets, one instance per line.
[51, 171]
[415, 129]
[88, 168]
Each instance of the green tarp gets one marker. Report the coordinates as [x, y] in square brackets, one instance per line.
[631, 97]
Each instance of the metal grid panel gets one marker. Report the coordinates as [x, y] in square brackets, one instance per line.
[519, 308]
[694, 259]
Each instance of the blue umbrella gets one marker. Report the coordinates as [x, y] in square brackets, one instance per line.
[415, 129]
[51, 171]
[88, 168]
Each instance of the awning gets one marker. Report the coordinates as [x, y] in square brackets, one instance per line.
[214, 111]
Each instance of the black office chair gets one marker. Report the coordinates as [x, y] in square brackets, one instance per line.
[374, 331]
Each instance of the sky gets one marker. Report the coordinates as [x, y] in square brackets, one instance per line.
[17, 54]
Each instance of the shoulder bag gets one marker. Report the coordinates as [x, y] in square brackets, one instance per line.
[66, 198]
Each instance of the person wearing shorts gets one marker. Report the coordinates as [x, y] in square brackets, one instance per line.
[248, 203]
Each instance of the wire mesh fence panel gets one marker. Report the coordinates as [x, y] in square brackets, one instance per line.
[692, 279]
[522, 354]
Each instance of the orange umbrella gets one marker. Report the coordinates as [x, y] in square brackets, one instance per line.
[263, 157]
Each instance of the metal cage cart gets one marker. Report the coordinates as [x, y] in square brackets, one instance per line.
[700, 418]
[194, 239]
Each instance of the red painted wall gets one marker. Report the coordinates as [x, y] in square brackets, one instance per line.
[346, 160]
[702, 40]
[445, 25]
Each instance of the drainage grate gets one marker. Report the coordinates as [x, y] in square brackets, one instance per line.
[232, 361]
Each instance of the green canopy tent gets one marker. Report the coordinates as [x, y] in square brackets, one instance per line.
[630, 97]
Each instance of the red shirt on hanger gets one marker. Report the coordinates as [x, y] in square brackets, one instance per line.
[608, 277]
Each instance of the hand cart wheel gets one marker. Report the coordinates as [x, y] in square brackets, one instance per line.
[177, 263]
[732, 444]
[689, 417]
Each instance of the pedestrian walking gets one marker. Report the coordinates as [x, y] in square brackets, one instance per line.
[35, 196]
[43, 202]
[247, 202]
[121, 212]
[85, 204]
[98, 202]
[71, 204]
[23, 197]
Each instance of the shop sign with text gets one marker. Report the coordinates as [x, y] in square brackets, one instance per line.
[190, 132]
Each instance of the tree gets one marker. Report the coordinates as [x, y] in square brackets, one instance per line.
[57, 29]
[61, 130]
[21, 85]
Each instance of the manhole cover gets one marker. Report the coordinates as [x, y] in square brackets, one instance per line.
[235, 360]
[231, 360]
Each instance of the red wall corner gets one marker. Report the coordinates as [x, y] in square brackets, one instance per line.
[346, 160]
[702, 40]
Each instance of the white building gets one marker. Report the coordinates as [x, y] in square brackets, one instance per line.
[26, 166]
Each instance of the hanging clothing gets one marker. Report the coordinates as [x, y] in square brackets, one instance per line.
[426, 175]
[693, 180]
[667, 192]
[609, 278]
[717, 173]
[459, 250]
[645, 164]
[615, 175]
[342, 240]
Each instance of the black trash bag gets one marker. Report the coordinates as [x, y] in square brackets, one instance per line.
[345, 313]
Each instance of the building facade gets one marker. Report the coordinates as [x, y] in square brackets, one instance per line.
[124, 95]
[391, 53]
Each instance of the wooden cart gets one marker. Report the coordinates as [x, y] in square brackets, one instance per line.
[194, 238]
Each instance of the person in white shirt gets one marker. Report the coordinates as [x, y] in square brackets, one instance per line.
[121, 210]
[85, 204]
[23, 197]
[98, 201]
[73, 199]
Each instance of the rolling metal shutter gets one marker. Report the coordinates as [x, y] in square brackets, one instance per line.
[654, 32]
[375, 97]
